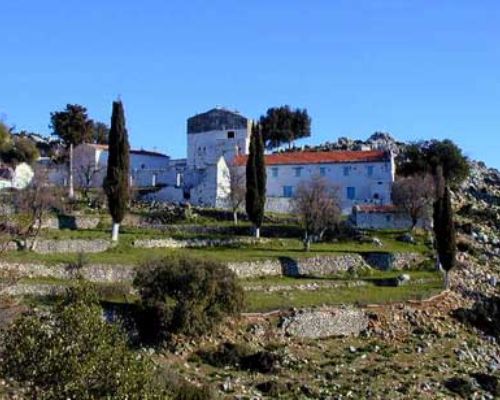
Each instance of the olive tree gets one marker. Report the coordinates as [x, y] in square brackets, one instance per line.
[185, 295]
[73, 353]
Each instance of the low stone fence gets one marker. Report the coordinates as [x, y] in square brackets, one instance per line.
[94, 273]
[45, 246]
[71, 222]
[193, 243]
[316, 266]
[390, 261]
[109, 273]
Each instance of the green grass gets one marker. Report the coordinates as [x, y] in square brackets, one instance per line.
[125, 254]
[266, 281]
[266, 301]
[423, 284]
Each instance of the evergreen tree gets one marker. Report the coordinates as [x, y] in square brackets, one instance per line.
[116, 183]
[74, 127]
[255, 199]
[444, 227]
[283, 125]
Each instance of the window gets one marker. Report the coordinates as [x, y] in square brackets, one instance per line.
[351, 192]
[322, 171]
[274, 172]
[388, 218]
[369, 170]
[298, 171]
[287, 191]
[230, 134]
[346, 171]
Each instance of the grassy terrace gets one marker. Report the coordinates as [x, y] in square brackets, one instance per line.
[423, 284]
[125, 254]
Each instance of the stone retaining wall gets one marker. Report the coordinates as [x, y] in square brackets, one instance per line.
[192, 243]
[47, 246]
[71, 222]
[317, 266]
[93, 273]
[390, 261]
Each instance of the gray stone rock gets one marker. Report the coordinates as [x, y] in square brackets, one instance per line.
[315, 324]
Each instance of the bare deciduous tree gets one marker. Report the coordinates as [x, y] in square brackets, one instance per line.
[316, 203]
[236, 190]
[86, 178]
[32, 204]
[7, 228]
[414, 195]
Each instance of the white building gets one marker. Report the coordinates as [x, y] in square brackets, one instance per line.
[219, 138]
[214, 134]
[371, 216]
[90, 165]
[360, 177]
[16, 178]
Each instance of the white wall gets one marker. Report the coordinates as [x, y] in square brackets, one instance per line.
[385, 220]
[207, 147]
[366, 187]
[145, 169]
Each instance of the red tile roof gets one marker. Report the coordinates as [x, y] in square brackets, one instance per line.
[319, 157]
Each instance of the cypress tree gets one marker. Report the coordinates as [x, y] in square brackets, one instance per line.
[116, 183]
[444, 227]
[256, 180]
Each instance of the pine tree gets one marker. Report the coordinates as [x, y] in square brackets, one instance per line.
[256, 180]
[116, 183]
[444, 227]
[74, 127]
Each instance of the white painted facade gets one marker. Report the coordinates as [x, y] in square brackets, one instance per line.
[219, 137]
[91, 160]
[384, 217]
[18, 178]
[206, 148]
[356, 183]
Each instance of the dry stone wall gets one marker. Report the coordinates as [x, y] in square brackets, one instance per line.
[94, 273]
[71, 246]
[191, 243]
[390, 261]
[71, 222]
[317, 266]
[323, 323]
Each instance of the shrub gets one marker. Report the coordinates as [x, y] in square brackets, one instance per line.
[73, 353]
[262, 361]
[185, 295]
[228, 354]
[241, 356]
[188, 391]
[460, 386]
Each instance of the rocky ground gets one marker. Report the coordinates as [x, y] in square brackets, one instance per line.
[445, 348]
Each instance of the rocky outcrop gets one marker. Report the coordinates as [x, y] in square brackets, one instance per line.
[323, 323]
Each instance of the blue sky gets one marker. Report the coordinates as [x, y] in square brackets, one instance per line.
[417, 69]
